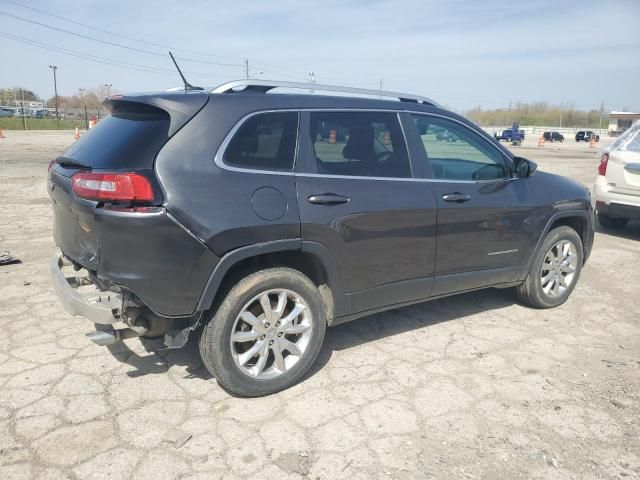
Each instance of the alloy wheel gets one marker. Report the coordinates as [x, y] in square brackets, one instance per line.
[271, 333]
[559, 268]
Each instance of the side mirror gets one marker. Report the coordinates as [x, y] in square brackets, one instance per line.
[523, 168]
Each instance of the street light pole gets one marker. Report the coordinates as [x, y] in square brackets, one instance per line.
[55, 89]
[108, 85]
[86, 117]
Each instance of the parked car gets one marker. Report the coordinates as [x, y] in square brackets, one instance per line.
[235, 220]
[445, 136]
[6, 112]
[585, 135]
[617, 188]
[553, 137]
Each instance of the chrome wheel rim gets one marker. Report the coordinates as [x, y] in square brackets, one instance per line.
[271, 334]
[559, 268]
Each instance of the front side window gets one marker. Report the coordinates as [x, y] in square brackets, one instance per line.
[264, 141]
[364, 144]
[457, 153]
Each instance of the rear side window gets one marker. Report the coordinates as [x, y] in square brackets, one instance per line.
[264, 141]
[366, 144]
[457, 153]
[128, 138]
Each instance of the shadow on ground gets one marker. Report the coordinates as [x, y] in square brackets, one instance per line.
[341, 337]
[630, 232]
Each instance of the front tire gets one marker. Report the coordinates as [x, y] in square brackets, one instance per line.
[265, 334]
[554, 271]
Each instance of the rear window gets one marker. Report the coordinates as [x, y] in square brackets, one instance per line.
[128, 138]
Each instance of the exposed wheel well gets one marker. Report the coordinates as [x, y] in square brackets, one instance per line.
[304, 262]
[576, 223]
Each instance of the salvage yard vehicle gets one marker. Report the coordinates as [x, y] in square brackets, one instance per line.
[585, 136]
[241, 215]
[617, 188]
[553, 137]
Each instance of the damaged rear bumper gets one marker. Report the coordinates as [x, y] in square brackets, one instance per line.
[80, 297]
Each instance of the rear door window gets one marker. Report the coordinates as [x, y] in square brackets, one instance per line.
[363, 144]
[265, 141]
[455, 152]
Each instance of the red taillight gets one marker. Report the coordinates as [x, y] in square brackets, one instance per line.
[602, 168]
[112, 187]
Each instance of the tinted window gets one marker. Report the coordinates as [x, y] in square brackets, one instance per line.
[368, 144]
[266, 140]
[457, 153]
[129, 137]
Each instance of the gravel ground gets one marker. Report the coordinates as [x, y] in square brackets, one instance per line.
[473, 386]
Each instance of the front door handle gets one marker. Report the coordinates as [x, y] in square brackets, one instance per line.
[456, 197]
[328, 199]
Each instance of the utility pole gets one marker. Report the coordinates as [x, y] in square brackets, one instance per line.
[24, 117]
[55, 89]
[380, 96]
[601, 113]
[312, 79]
[86, 117]
[508, 113]
[246, 68]
[561, 108]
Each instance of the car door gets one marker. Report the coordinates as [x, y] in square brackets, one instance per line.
[485, 222]
[357, 198]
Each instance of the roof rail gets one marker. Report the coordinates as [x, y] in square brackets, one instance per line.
[263, 86]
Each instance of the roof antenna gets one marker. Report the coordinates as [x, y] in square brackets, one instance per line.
[187, 85]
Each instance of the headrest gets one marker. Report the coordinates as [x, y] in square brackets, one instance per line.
[360, 143]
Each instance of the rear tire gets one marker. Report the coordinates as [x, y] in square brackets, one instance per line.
[253, 353]
[612, 223]
[555, 270]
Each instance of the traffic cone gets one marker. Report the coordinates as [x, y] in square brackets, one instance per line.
[332, 136]
[592, 142]
[541, 141]
[1, 133]
[77, 134]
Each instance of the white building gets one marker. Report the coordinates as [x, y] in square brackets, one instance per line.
[620, 121]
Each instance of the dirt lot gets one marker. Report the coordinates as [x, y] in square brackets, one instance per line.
[469, 387]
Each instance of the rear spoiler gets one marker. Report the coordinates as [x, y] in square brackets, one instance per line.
[180, 106]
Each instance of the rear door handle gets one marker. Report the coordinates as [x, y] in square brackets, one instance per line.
[456, 197]
[328, 199]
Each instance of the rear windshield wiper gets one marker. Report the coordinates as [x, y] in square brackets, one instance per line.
[67, 162]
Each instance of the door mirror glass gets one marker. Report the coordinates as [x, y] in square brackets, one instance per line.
[523, 168]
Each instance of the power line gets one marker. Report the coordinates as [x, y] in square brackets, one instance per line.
[59, 17]
[148, 52]
[100, 59]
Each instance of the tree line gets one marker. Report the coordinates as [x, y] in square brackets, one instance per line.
[92, 98]
[540, 114]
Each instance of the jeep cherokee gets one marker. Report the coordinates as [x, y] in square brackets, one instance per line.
[258, 219]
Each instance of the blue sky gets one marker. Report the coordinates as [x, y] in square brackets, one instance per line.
[461, 53]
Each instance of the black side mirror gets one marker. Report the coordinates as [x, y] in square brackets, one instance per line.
[523, 168]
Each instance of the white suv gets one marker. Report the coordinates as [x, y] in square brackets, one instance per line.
[617, 188]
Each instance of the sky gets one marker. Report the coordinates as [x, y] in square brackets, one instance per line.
[460, 53]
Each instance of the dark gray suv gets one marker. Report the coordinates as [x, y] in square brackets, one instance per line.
[258, 219]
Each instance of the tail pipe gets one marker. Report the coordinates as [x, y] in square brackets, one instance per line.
[112, 336]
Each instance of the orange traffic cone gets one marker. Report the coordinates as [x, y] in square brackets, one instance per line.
[541, 141]
[332, 136]
[1, 133]
[592, 142]
[77, 134]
